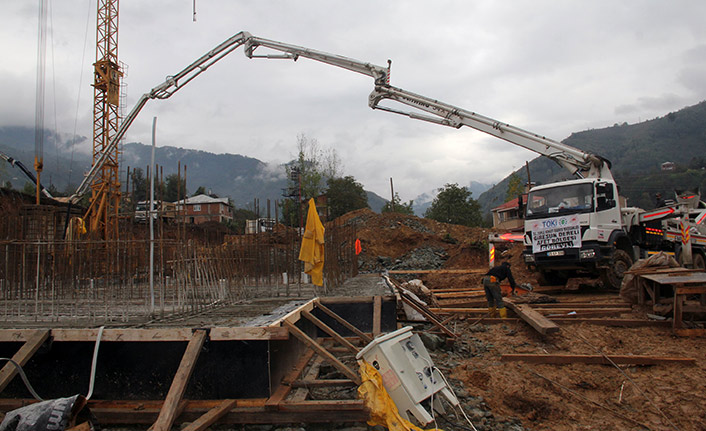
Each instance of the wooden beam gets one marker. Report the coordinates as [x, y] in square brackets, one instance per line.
[433, 318]
[176, 391]
[211, 417]
[284, 387]
[327, 329]
[365, 337]
[318, 348]
[28, 349]
[148, 334]
[293, 316]
[437, 271]
[543, 325]
[322, 383]
[595, 359]
[377, 316]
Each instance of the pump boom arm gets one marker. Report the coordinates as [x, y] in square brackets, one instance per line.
[576, 161]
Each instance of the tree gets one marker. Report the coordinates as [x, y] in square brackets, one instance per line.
[514, 187]
[344, 195]
[307, 175]
[175, 188]
[455, 205]
[140, 185]
[396, 206]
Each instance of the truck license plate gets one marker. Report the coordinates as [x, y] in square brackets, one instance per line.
[555, 253]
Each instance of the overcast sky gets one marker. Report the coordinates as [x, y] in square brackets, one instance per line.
[551, 67]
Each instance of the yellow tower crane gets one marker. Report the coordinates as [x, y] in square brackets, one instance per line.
[102, 213]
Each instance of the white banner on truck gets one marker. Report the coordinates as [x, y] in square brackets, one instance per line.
[557, 233]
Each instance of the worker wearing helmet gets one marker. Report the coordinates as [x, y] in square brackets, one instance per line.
[491, 285]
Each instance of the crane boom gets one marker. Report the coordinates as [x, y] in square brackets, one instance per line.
[574, 160]
[175, 82]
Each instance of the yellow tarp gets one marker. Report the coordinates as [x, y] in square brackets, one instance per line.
[312, 251]
[383, 410]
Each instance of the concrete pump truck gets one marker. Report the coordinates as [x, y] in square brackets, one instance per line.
[571, 227]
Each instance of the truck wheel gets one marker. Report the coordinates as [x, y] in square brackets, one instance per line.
[699, 261]
[612, 276]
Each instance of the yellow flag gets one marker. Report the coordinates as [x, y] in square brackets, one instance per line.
[312, 251]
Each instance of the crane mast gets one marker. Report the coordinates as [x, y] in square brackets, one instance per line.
[105, 186]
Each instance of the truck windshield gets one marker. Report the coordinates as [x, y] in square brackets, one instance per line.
[569, 199]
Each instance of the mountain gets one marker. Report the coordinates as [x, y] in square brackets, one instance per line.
[241, 178]
[636, 153]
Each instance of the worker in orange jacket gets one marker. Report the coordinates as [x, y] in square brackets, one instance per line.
[491, 285]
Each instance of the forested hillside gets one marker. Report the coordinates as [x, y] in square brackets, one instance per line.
[636, 153]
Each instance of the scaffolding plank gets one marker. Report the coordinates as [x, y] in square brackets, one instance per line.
[543, 325]
[211, 416]
[318, 348]
[321, 383]
[176, 391]
[327, 329]
[28, 349]
[365, 337]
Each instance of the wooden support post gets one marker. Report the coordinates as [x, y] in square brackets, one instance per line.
[363, 336]
[327, 329]
[543, 325]
[377, 316]
[176, 391]
[318, 348]
[281, 392]
[211, 416]
[28, 349]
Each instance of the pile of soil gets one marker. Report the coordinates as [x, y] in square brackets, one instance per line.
[394, 241]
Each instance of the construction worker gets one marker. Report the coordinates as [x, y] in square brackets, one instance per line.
[491, 284]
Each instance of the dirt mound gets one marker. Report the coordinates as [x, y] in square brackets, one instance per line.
[393, 241]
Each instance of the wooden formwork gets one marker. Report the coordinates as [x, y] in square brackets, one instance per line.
[168, 375]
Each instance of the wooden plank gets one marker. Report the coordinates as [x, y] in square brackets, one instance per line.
[340, 366]
[24, 354]
[301, 393]
[85, 426]
[248, 333]
[543, 325]
[690, 290]
[283, 389]
[148, 334]
[211, 417]
[363, 336]
[594, 359]
[437, 271]
[377, 316]
[327, 329]
[629, 323]
[176, 391]
[466, 294]
[427, 313]
[325, 405]
[293, 316]
[322, 383]
[353, 300]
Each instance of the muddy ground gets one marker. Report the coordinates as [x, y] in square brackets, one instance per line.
[514, 395]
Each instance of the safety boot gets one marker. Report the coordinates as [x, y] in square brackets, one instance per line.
[492, 312]
[503, 312]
